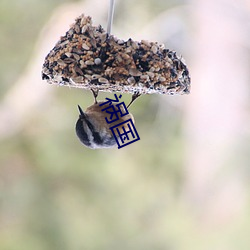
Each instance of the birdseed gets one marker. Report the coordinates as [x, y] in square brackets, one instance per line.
[87, 57]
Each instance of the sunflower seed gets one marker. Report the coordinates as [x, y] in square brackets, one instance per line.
[150, 74]
[95, 76]
[134, 72]
[61, 62]
[78, 70]
[120, 42]
[88, 62]
[131, 80]
[69, 60]
[77, 29]
[103, 80]
[77, 57]
[145, 42]
[68, 54]
[85, 46]
[77, 79]
[154, 49]
[144, 78]
[84, 29]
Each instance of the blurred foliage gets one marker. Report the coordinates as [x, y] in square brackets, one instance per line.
[20, 23]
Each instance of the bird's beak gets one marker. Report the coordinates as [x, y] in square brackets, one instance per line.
[82, 115]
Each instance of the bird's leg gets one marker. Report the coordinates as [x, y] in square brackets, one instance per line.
[134, 97]
[95, 94]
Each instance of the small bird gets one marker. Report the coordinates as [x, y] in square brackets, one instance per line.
[93, 130]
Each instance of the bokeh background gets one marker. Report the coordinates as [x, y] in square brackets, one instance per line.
[184, 185]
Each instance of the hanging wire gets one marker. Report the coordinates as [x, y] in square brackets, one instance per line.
[110, 15]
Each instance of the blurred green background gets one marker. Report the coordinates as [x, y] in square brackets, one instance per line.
[184, 185]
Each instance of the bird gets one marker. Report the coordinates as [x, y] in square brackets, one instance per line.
[92, 127]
